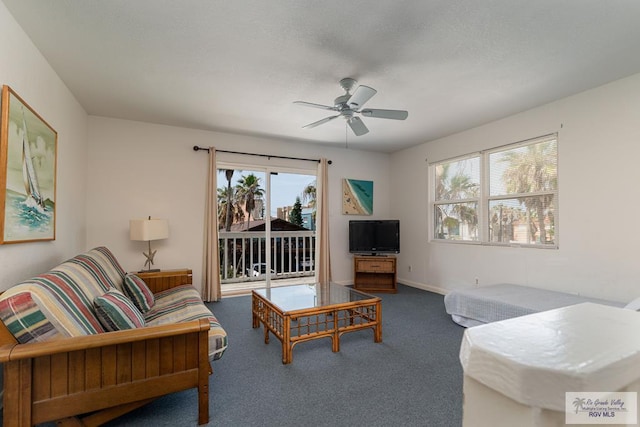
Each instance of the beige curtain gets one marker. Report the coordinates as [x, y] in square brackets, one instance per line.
[211, 264]
[323, 260]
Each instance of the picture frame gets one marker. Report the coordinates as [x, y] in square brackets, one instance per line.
[28, 163]
[357, 197]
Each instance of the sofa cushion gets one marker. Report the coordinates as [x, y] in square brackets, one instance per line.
[182, 304]
[116, 312]
[138, 292]
[95, 271]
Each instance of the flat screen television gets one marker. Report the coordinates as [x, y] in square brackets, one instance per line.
[374, 236]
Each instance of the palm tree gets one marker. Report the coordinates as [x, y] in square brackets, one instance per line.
[247, 190]
[462, 187]
[531, 171]
[309, 194]
[310, 198]
[442, 178]
[229, 204]
[223, 203]
[224, 208]
[457, 187]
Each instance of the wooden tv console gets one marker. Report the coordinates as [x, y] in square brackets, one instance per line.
[375, 273]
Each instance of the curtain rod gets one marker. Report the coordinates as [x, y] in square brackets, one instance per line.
[196, 148]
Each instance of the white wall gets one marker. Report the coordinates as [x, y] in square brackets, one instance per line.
[599, 176]
[26, 71]
[139, 169]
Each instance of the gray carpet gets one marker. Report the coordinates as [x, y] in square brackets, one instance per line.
[412, 378]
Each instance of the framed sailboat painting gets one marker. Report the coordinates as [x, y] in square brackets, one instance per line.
[28, 155]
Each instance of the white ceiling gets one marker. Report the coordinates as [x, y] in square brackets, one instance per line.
[237, 66]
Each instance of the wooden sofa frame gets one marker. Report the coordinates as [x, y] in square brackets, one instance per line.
[90, 380]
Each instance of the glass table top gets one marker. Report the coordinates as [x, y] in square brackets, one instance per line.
[298, 297]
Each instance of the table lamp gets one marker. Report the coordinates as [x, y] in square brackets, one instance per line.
[147, 230]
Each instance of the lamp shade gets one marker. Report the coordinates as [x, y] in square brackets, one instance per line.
[148, 229]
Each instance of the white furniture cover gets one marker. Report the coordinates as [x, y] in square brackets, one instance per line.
[535, 359]
[477, 306]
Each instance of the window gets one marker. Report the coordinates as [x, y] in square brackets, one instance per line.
[505, 196]
[457, 192]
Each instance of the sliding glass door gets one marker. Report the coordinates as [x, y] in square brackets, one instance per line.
[293, 223]
[267, 226]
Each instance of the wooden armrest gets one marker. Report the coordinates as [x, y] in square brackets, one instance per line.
[111, 373]
[166, 279]
[11, 352]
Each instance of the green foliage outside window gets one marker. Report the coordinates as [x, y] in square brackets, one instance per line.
[295, 217]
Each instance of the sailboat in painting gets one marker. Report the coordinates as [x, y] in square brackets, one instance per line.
[31, 186]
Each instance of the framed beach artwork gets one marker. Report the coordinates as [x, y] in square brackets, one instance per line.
[28, 149]
[357, 197]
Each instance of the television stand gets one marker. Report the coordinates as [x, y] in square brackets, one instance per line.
[374, 273]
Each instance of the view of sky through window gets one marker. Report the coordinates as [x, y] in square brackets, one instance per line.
[285, 187]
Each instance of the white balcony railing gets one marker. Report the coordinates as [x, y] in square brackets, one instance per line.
[243, 255]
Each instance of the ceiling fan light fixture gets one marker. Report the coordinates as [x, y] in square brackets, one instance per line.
[348, 83]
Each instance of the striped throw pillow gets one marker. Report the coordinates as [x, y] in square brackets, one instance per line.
[116, 312]
[138, 291]
[25, 320]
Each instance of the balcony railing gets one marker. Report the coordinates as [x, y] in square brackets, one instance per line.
[243, 255]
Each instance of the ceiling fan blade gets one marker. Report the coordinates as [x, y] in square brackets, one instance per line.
[385, 114]
[320, 122]
[357, 126]
[311, 104]
[360, 96]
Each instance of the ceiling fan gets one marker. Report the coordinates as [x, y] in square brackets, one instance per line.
[348, 105]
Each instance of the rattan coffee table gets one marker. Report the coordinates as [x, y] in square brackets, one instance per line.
[306, 312]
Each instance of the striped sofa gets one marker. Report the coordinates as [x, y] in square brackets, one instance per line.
[87, 340]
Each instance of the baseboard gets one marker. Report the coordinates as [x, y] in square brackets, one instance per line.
[401, 281]
[423, 286]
